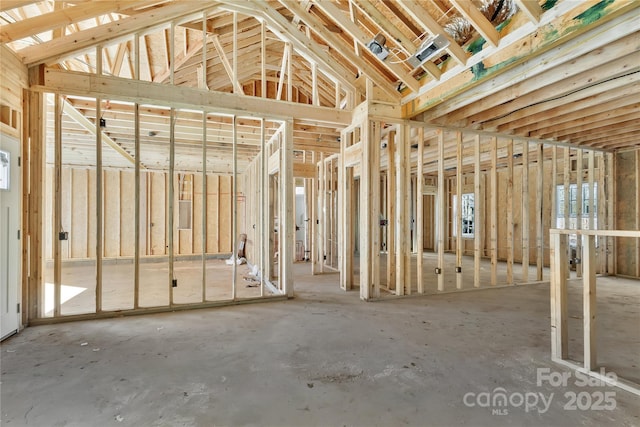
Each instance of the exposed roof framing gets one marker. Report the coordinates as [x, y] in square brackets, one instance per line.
[564, 71]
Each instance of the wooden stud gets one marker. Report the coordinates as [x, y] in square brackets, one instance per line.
[366, 216]
[136, 253]
[136, 56]
[567, 189]
[554, 186]
[321, 217]
[579, 209]
[375, 138]
[234, 208]
[287, 221]
[401, 214]
[458, 219]
[203, 66]
[205, 196]
[477, 229]
[264, 232]
[637, 211]
[315, 97]
[442, 213]
[172, 52]
[611, 225]
[540, 213]
[171, 202]
[57, 209]
[525, 212]
[494, 210]
[263, 59]
[346, 219]
[289, 72]
[509, 197]
[99, 213]
[591, 178]
[391, 210]
[589, 301]
[602, 217]
[236, 85]
[419, 224]
[559, 303]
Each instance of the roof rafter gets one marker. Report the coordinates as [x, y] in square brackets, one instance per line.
[314, 24]
[354, 31]
[478, 20]
[306, 47]
[531, 8]
[414, 10]
[82, 41]
[66, 16]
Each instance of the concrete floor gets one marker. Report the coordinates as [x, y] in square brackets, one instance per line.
[323, 358]
[79, 289]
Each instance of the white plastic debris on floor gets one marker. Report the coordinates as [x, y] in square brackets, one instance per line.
[241, 260]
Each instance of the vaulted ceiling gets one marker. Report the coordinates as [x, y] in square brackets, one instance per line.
[562, 71]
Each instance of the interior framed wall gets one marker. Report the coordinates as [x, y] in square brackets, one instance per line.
[516, 190]
[148, 227]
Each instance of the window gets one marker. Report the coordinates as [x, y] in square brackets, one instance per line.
[185, 198]
[573, 205]
[4, 170]
[573, 209]
[467, 215]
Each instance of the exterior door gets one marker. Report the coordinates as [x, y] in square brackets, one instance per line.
[10, 194]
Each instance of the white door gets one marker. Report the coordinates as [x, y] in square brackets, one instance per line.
[10, 194]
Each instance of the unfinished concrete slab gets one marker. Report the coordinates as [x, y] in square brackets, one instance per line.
[323, 358]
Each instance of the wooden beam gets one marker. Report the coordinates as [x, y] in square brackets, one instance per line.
[540, 212]
[73, 44]
[375, 140]
[391, 210]
[522, 51]
[184, 58]
[391, 32]
[579, 177]
[478, 20]
[509, 196]
[477, 218]
[57, 208]
[525, 212]
[589, 301]
[63, 17]
[419, 223]
[79, 118]
[458, 218]
[559, 295]
[354, 31]
[336, 43]
[171, 178]
[531, 8]
[115, 88]
[611, 249]
[12, 4]
[493, 206]
[307, 48]
[237, 87]
[442, 211]
[415, 11]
